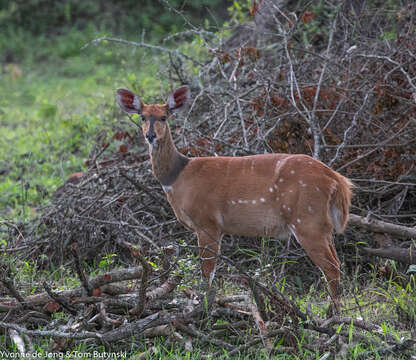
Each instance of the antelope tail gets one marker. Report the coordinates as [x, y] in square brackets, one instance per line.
[340, 203]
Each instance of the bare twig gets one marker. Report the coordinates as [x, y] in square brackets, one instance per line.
[143, 45]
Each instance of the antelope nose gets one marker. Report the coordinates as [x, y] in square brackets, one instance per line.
[150, 136]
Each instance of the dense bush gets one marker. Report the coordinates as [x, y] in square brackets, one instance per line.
[52, 17]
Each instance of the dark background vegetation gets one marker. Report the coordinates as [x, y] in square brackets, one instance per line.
[336, 80]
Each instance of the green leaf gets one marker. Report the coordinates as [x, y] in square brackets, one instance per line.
[411, 269]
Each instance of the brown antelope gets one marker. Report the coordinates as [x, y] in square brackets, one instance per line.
[259, 195]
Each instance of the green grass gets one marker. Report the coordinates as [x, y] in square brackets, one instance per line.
[50, 115]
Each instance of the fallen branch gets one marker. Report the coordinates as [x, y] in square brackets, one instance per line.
[61, 300]
[247, 345]
[407, 256]
[96, 282]
[393, 350]
[84, 281]
[382, 227]
[205, 338]
[356, 322]
[18, 341]
[8, 284]
[81, 335]
[168, 286]
[147, 270]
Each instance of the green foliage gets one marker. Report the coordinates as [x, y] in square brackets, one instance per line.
[48, 17]
[239, 11]
[106, 262]
[316, 23]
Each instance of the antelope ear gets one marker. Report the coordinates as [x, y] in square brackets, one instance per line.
[178, 100]
[129, 102]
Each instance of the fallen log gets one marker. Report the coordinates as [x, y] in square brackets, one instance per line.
[382, 226]
[407, 255]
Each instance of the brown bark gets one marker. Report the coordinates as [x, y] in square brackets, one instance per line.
[96, 282]
[382, 227]
[407, 255]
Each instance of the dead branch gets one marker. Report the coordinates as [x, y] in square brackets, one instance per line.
[205, 338]
[137, 327]
[100, 280]
[61, 300]
[168, 286]
[348, 320]
[151, 194]
[144, 45]
[400, 348]
[147, 270]
[81, 275]
[407, 256]
[8, 283]
[18, 341]
[104, 316]
[261, 325]
[82, 335]
[382, 227]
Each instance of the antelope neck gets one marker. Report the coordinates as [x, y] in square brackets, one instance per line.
[167, 161]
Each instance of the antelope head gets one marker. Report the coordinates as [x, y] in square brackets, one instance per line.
[154, 117]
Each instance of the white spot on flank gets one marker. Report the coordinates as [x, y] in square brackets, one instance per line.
[317, 188]
[300, 182]
[281, 179]
[167, 188]
[284, 206]
[303, 185]
[254, 201]
[292, 171]
[240, 201]
[310, 208]
[288, 209]
[233, 202]
[298, 220]
[262, 200]
[278, 198]
[271, 189]
[291, 191]
[275, 186]
[245, 201]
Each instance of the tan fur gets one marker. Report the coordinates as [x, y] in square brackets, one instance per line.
[260, 195]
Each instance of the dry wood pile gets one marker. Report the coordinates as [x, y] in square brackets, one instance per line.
[109, 308]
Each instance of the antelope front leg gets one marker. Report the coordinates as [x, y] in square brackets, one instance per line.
[209, 247]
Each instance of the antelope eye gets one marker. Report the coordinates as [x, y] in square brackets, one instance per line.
[163, 118]
[143, 118]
